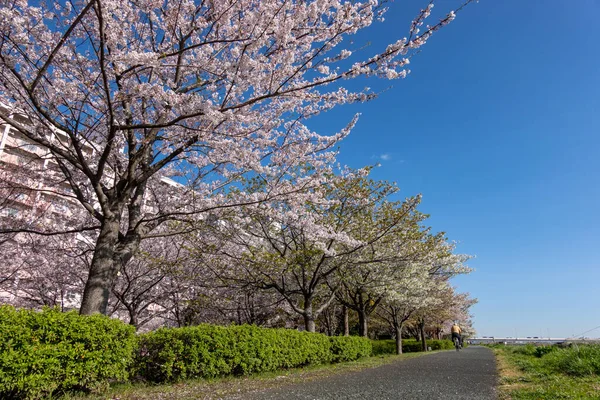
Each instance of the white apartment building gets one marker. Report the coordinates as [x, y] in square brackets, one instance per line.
[33, 193]
[29, 177]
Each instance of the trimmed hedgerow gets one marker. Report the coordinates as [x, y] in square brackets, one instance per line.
[48, 352]
[412, 346]
[172, 354]
[385, 346]
[443, 344]
[350, 348]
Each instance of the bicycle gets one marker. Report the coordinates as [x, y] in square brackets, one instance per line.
[457, 343]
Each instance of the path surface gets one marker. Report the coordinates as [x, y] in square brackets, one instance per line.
[468, 374]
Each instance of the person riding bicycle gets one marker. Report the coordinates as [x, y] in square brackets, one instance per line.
[456, 333]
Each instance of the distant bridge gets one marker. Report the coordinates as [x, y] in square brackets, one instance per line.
[530, 340]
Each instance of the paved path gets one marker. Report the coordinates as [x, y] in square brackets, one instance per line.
[468, 374]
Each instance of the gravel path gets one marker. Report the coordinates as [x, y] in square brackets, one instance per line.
[468, 374]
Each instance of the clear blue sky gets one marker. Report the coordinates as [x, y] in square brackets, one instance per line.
[498, 126]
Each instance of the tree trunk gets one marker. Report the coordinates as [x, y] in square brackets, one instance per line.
[309, 323]
[363, 323]
[422, 331]
[329, 320]
[102, 271]
[309, 319]
[133, 318]
[346, 321]
[398, 338]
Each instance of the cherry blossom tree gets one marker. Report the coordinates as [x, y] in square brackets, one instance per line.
[296, 247]
[332, 320]
[50, 271]
[404, 246]
[443, 306]
[452, 307]
[207, 92]
[145, 283]
[409, 293]
[204, 285]
[403, 266]
[367, 272]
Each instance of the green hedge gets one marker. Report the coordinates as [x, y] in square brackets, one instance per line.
[172, 354]
[52, 352]
[350, 348]
[409, 346]
[412, 346]
[444, 344]
[386, 346]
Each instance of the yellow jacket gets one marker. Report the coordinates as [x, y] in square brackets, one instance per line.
[455, 329]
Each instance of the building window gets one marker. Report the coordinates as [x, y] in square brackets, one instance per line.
[32, 148]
